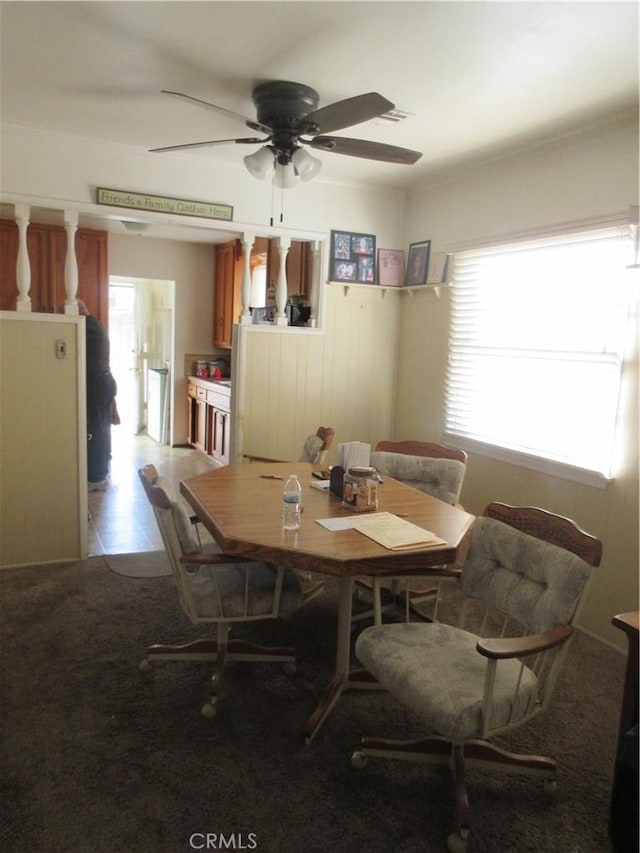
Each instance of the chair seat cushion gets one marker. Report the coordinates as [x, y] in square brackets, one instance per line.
[223, 590]
[436, 672]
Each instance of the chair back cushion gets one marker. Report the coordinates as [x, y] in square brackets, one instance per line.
[440, 478]
[313, 450]
[535, 582]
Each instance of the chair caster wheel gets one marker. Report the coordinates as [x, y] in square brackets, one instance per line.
[144, 666]
[209, 710]
[456, 844]
[290, 668]
[358, 760]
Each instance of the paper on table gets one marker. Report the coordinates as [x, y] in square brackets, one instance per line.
[321, 485]
[395, 533]
[337, 523]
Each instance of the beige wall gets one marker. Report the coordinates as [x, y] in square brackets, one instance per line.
[43, 467]
[586, 177]
[293, 382]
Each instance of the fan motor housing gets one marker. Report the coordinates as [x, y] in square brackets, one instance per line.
[280, 104]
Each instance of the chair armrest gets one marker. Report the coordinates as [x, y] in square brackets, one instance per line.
[513, 647]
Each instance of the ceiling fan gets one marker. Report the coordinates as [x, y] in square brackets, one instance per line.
[289, 118]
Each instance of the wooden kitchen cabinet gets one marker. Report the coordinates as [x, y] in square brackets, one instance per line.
[220, 428]
[299, 267]
[227, 291]
[47, 249]
[209, 411]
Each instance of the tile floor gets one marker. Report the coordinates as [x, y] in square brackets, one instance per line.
[121, 519]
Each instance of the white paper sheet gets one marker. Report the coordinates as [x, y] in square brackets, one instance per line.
[337, 523]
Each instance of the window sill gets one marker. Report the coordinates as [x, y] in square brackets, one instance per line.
[552, 468]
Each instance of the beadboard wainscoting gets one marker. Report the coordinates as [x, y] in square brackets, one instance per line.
[289, 382]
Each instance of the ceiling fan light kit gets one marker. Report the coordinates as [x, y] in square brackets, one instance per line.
[285, 169]
[305, 164]
[288, 115]
[284, 176]
[260, 163]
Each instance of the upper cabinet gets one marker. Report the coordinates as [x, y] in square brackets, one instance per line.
[227, 289]
[47, 249]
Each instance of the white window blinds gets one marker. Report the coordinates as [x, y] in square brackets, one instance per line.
[536, 346]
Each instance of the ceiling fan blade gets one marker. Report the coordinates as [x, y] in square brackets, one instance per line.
[348, 112]
[204, 144]
[254, 125]
[366, 149]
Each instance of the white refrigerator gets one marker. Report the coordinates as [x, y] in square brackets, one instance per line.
[157, 404]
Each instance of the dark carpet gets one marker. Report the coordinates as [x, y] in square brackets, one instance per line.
[99, 757]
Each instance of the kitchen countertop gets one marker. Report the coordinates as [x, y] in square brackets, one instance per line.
[224, 383]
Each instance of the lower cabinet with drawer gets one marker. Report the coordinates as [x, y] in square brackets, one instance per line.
[209, 418]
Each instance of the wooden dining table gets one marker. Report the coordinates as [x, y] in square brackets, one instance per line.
[241, 506]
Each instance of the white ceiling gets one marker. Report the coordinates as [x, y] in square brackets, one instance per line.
[476, 78]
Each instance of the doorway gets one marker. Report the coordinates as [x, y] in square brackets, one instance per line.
[141, 333]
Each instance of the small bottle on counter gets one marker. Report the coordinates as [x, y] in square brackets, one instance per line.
[291, 503]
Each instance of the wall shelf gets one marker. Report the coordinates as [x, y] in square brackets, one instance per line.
[346, 287]
[436, 289]
[383, 290]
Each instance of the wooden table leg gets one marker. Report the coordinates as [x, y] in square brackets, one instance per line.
[343, 662]
[345, 678]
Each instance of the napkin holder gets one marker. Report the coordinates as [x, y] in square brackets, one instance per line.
[336, 481]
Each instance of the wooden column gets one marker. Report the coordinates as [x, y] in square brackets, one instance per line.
[71, 264]
[314, 296]
[245, 293]
[23, 265]
[284, 244]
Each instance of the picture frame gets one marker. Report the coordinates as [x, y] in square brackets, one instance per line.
[439, 268]
[390, 267]
[417, 263]
[353, 258]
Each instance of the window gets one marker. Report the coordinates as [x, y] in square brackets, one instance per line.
[536, 349]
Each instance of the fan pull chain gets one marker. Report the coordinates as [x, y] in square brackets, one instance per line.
[271, 218]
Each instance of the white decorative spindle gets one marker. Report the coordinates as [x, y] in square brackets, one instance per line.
[284, 244]
[23, 266]
[71, 263]
[245, 293]
[315, 283]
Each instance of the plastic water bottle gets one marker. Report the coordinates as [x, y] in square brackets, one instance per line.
[291, 503]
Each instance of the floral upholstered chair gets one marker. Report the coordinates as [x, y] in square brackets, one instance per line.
[438, 471]
[523, 578]
[219, 590]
